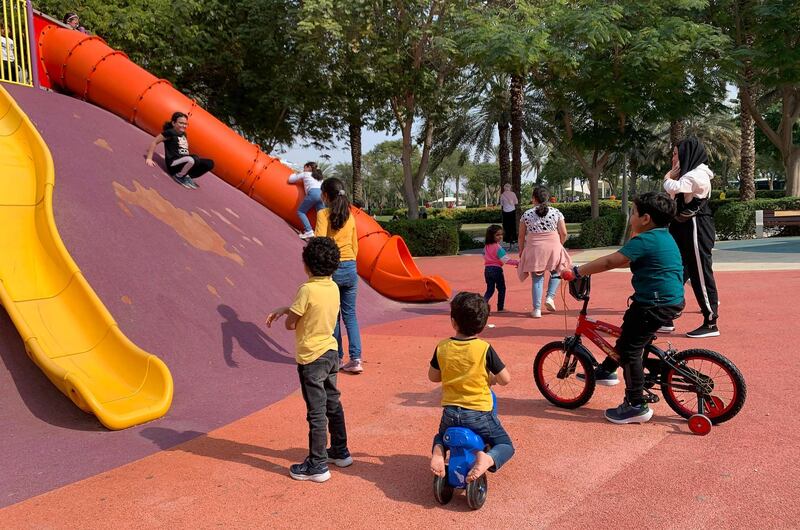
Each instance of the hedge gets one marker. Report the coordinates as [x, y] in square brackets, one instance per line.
[604, 231]
[467, 242]
[574, 212]
[737, 220]
[426, 237]
[760, 194]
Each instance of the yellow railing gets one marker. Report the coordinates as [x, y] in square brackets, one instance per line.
[15, 46]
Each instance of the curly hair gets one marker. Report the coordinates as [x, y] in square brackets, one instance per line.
[321, 256]
[470, 312]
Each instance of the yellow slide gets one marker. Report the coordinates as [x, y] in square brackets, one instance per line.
[67, 330]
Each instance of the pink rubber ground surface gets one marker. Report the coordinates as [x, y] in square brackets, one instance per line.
[572, 468]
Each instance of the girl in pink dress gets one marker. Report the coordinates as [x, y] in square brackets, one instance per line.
[542, 233]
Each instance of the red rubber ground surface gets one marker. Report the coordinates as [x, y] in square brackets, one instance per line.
[572, 468]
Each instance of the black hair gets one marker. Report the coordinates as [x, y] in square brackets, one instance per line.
[175, 117]
[659, 206]
[338, 203]
[321, 256]
[69, 16]
[317, 174]
[491, 234]
[542, 195]
[470, 312]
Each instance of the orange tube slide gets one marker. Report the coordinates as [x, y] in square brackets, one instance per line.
[88, 68]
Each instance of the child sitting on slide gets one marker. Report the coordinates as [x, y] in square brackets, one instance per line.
[312, 182]
[494, 257]
[655, 262]
[466, 366]
[182, 166]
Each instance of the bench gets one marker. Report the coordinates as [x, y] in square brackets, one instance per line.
[766, 218]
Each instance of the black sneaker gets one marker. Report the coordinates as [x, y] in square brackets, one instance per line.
[180, 180]
[304, 471]
[706, 330]
[627, 413]
[602, 377]
[340, 460]
[190, 183]
[665, 329]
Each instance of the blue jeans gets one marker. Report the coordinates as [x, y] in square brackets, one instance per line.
[346, 277]
[494, 277]
[313, 199]
[484, 424]
[538, 283]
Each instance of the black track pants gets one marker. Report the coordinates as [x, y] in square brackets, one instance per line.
[695, 239]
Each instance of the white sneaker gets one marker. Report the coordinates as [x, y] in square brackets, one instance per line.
[550, 304]
[307, 235]
[536, 313]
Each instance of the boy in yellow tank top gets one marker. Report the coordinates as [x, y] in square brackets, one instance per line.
[466, 366]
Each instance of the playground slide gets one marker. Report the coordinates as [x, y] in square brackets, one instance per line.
[86, 67]
[66, 329]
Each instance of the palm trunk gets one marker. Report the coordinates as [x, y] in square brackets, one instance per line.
[676, 132]
[792, 165]
[517, 101]
[354, 129]
[503, 155]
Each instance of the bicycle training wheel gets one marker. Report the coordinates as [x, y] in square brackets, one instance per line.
[706, 375]
[555, 371]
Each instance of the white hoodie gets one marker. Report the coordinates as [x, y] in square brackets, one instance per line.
[309, 182]
[695, 183]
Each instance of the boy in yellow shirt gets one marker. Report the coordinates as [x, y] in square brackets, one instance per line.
[466, 366]
[312, 316]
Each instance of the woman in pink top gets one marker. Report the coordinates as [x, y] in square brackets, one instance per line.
[494, 257]
[542, 233]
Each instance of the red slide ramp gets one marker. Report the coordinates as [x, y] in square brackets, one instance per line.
[88, 68]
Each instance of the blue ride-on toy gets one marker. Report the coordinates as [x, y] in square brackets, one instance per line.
[462, 444]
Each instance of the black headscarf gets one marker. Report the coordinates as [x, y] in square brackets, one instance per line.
[691, 154]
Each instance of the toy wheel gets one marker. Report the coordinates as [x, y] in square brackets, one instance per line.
[442, 491]
[703, 375]
[699, 424]
[555, 371]
[477, 491]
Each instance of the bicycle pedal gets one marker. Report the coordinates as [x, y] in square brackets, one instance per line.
[651, 398]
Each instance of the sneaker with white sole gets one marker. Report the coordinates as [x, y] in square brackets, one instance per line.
[353, 367]
[665, 329]
[305, 471]
[307, 235]
[341, 460]
[706, 330]
[550, 304]
[627, 413]
[601, 376]
[536, 313]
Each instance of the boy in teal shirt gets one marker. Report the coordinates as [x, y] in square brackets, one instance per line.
[655, 262]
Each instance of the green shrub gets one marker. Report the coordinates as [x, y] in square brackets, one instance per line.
[601, 232]
[426, 237]
[467, 242]
[760, 194]
[574, 212]
[737, 219]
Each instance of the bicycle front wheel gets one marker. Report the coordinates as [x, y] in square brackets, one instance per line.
[556, 372]
[707, 376]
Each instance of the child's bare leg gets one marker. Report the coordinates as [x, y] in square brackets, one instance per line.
[437, 461]
[483, 462]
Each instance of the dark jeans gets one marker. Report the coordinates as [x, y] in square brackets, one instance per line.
[494, 277]
[639, 325]
[200, 167]
[318, 384]
[484, 424]
[510, 226]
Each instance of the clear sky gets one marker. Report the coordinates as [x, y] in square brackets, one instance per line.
[299, 155]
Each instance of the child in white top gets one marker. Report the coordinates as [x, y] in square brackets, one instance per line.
[312, 181]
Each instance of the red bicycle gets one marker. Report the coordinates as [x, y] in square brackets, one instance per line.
[700, 385]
